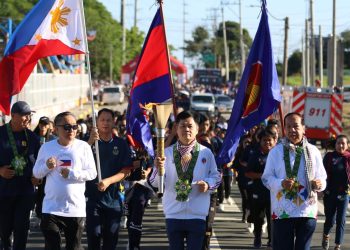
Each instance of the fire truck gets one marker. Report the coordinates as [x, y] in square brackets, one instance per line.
[322, 111]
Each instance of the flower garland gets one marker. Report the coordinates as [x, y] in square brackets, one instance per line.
[183, 184]
[292, 174]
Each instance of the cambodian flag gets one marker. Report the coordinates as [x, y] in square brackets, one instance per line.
[52, 27]
[151, 83]
[258, 95]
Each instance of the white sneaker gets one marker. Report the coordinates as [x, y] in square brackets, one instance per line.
[250, 228]
[123, 222]
[229, 201]
[264, 227]
[221, 208]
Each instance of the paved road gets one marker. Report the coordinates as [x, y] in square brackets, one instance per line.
[229, 231]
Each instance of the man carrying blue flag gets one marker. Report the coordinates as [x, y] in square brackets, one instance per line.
[258, 95]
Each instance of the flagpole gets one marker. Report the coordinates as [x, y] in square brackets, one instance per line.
[281, 118]
[91, 95]
[160, 2]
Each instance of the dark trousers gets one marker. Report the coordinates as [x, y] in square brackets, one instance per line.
[261, 208]
[52, 226]
[224, 190]
[102, 223]
[136, 208]
[293, 233]
[244, 196]
[192, 230]
[14, 218]
[210, 221]
[335, 211]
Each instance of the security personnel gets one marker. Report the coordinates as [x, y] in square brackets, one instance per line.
[137, 196]
[18, 150]
[260, 194]
[104, 208]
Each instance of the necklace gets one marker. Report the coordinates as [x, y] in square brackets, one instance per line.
[292, 173]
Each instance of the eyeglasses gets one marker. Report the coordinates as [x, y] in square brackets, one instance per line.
[69, 127]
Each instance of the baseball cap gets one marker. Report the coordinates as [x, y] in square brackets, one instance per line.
[22, 108]
[44, 120]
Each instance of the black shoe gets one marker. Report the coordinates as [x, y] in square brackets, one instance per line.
[257, 242]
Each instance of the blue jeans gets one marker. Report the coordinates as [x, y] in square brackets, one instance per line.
[193, 230]
[335, 211]
[284, 231]
[102, 223]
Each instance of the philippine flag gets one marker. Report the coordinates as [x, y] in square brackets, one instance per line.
[151, 83]
[52, 27]
[64, 163]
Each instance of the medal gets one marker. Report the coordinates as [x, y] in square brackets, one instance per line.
[183, 189]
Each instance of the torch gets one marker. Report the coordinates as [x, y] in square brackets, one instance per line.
[161, 115]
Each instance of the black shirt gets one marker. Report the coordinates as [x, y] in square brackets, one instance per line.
[27, 144]
[256, 164]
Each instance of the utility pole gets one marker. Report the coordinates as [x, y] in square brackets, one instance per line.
[184, 30]
[285, 52]
[122, 22]
[334, 82]
[320, 60]
[227, 70]
[135, 14]
[307, 54]
[312, 45]
[241, 42]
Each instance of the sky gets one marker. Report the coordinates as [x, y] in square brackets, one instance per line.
[203, 12]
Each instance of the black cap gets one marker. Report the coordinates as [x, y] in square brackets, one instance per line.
[21, 107]
[44, 120]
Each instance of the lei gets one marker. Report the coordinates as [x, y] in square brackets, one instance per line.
[292, 174]
[183, 184]
[18, 162]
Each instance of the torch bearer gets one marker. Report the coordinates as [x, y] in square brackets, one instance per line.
[161, 115]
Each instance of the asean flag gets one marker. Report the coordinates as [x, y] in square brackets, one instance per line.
[52, 27]
[151, 83]
[258, 95]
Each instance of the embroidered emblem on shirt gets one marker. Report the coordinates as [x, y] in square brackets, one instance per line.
[115, 150]
[24, 143]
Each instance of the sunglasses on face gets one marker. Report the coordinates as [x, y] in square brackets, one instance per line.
[69, 127]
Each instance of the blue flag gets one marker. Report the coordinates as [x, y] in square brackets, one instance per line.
[258, 95]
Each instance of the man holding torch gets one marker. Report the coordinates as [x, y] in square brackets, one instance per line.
[190, 173]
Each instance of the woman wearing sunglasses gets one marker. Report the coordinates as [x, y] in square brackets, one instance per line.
[66, 163]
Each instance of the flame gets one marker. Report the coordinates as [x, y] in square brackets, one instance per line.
[148, 106]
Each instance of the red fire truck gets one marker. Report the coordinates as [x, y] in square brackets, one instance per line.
[322, 110]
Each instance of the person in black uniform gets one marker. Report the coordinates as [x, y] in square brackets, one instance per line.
[137, 196]
[104, 206]
[18, 150]
[260, 194]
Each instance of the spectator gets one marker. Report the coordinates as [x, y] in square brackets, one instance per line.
[336, 195]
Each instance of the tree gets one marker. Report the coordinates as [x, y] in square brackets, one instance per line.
[210, 49]
[294, 63]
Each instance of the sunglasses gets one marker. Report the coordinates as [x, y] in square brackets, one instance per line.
[69, 127]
